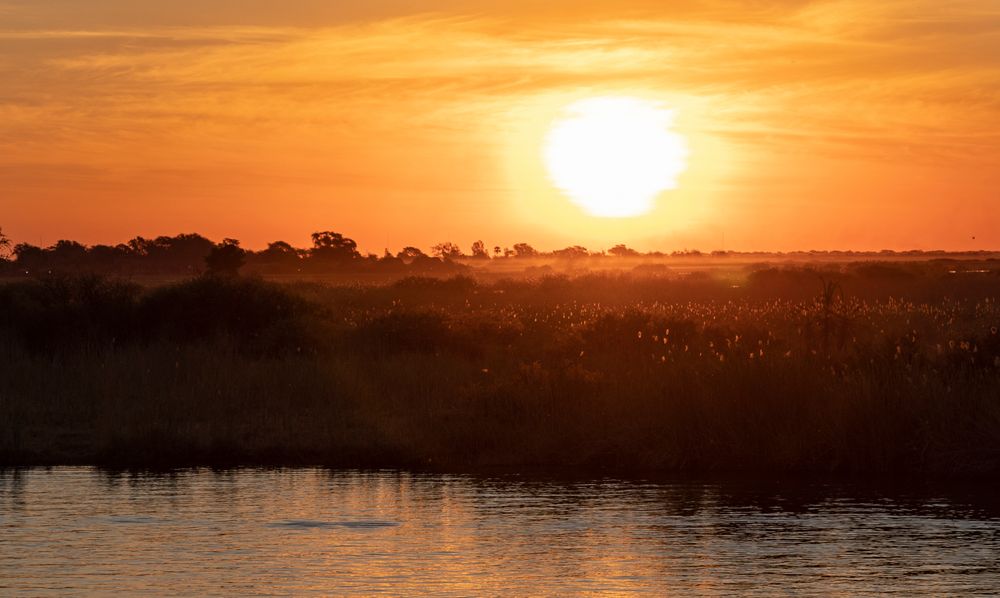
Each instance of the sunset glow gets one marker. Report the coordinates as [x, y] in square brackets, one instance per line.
[833, 124]
[613, 156]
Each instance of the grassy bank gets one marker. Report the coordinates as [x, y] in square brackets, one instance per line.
[856, 372]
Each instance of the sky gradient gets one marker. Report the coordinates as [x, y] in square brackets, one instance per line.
[839, 124]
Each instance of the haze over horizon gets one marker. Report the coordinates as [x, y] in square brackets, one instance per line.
[836, 124]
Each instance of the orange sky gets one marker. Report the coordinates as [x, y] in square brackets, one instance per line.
[842, 124]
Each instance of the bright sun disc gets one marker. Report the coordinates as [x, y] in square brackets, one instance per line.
[613, 156]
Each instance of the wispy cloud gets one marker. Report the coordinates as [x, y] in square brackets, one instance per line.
[260, 88]
[876, 59]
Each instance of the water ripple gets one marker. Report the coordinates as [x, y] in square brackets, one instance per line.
[206, 533]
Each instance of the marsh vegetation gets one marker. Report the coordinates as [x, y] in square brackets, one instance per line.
[853, 369]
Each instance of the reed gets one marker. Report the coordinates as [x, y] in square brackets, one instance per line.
[598, 371]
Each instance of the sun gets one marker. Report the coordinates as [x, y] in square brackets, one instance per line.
[612, 156]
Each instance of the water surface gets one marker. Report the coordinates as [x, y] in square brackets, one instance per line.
[203, 532]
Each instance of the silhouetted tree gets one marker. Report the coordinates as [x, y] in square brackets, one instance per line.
[479, 251]
[67, 254]
[390, 263]
[139, 245]
[524, 250]
[5, 247]
[574, 252]
[497, 252]
[226, 258]
[30, 258]
[281, 248]
[277, 254]
[426, 263]
[622, 250]
[181, 253]
[408, 254]
[331, 246]
[446, 250]
[687, 253]
[107, 258]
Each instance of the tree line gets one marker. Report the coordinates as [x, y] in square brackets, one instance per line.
[191, 253]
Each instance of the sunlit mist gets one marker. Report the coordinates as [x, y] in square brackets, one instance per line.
[612, 156]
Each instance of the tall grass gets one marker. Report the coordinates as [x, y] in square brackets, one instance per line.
[597, 371]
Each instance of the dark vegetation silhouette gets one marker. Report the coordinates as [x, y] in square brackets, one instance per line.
[523, 250]
[225, 259]
[191, 254]
[334, 247]
[334, 254]
[479, 251]
[852, 368]
[447, 250]
[5, 246]
[623, 251]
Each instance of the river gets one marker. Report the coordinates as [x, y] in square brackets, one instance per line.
[315, 531]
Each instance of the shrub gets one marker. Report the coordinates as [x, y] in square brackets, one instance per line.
[57, 312]
[259, 316]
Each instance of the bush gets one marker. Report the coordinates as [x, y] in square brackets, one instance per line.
[257, 315]
[52, 313]
[60, 314]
